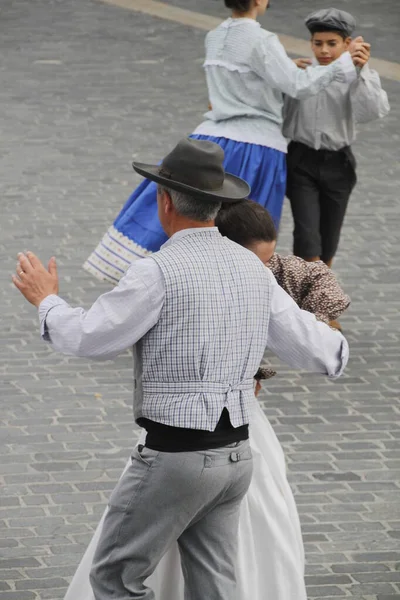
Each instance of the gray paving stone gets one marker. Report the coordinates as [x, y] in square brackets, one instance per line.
[380, 577]
[18, 595]
[363, 526]
[343, 476]
[340, 517]
[8, 543]
[40, 584]
[8, 575]
[359, 568]
[328, 580]
[377, 557]
[10, 501]
[365, 589]
[28, 561]
[35, 500]
[325, 590]
[73, 498]
[52, 572]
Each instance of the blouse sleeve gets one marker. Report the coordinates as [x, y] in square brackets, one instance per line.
[272, 63]
[312, 285]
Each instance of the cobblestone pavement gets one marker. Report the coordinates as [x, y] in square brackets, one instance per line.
[84, 88]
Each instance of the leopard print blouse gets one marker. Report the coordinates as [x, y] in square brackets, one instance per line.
[313, 287]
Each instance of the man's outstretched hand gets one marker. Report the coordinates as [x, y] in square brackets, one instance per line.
[33, 280]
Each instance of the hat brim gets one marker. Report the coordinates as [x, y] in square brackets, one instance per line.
[319, 27]
[233, 189]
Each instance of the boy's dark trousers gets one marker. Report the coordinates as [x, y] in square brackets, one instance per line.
[319, 184]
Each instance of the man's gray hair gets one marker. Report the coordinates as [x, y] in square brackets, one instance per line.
[192, 208]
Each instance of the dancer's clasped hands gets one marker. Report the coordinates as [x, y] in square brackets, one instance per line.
[360, 51]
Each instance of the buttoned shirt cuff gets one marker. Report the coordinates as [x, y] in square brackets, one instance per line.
[345, 70]
[44, 308]
[344, 358]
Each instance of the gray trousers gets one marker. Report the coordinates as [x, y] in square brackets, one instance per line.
[189, 497]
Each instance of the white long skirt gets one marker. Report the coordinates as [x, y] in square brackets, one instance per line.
[270, 548]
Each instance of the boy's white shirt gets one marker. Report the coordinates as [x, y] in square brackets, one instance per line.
[327, 120]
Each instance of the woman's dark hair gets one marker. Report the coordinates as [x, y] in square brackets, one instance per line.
[238, 5]
[246, 222]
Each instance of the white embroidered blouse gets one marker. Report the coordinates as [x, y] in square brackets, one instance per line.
[248, 71]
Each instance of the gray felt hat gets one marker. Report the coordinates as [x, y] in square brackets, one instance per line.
[331, 19]
[196, 167]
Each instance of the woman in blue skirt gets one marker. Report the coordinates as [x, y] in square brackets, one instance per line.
[247, 72]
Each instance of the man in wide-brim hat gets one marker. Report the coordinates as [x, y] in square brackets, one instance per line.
[199, 314]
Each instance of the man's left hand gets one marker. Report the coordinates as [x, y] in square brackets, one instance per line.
[33, 280]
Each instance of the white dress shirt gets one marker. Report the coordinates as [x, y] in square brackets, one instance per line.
[327, 121]
[122, 316]
[247, 72]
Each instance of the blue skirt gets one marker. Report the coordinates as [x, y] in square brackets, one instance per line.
[137, 232]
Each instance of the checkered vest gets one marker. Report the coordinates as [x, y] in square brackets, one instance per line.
[203, 352]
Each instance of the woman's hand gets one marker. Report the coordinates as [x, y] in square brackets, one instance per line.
[302, 63]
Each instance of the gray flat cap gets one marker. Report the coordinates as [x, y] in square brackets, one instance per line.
[331, 19]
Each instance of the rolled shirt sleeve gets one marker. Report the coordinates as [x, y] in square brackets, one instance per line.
[301, 341]
[368, 100]
[115, 322]
[312, 285]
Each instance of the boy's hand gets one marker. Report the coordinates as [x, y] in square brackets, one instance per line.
[355, 43]
[362, 55]
[302, 63]
[360, 51]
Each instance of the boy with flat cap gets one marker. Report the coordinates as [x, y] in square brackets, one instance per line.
[320, 164]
